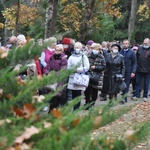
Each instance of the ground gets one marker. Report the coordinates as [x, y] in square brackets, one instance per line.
[136, 117]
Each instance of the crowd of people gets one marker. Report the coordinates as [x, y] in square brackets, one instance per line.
[110, 66]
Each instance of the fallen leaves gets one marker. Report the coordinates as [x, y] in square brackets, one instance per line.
[56, 113]
[4, 121]
[47, 124]
[76, 122]
[38, 98]
[20, 81]
[97, 121]
[27, 134]
[22, 146]
[129, 136]
[27, 111]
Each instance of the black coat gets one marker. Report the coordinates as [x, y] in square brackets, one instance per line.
[100, 65]
[113, 66]
[143, 60]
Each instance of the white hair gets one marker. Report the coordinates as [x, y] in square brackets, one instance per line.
[78, 44]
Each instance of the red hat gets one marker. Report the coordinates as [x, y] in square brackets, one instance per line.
[66, 41]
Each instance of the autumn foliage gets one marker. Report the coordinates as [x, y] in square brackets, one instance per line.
[27, 16]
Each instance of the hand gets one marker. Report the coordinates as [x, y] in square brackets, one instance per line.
[92, 67]
[132, 75]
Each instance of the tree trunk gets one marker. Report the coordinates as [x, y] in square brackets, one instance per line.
[48, 17]
[54, 17]
[88, 15]
[16, 31]
[131, 25]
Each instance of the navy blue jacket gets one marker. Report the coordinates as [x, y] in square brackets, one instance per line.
[130, 60]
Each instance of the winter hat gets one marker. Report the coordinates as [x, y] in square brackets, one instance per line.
[90, 42]
[83, 42]
[135, 48]
[119, 48]
[66, 41]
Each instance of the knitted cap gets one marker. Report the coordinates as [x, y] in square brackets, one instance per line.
[66, 41]
[90, 42]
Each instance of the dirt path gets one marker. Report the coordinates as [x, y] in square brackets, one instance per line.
[124, 125]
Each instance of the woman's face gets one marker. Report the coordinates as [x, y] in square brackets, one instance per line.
[95, 48]
[115, 48]
[58, 50]
[77, 47]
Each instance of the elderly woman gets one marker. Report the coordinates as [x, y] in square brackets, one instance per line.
[47, 53]
[97, 67]
[77, 59]
[57, 62]
[114, 66]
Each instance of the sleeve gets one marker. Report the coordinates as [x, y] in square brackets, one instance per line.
[134, 62]
[86, 65]
[64, 63]
[69, 63]
[42, 60]
[102, 67]
[122, 66]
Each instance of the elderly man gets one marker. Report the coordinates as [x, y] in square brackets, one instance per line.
[143, 69]
[130, 66]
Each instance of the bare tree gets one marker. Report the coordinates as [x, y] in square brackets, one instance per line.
[17, 18]
[50, 17]
[131, 25]
[88, 13]
[54, 17]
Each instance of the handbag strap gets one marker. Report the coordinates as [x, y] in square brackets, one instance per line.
[83, 64]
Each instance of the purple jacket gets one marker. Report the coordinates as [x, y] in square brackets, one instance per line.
[57, 63]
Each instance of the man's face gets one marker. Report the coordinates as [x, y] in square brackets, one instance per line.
[146, 42]
[125, 44]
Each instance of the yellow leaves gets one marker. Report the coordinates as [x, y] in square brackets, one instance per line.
[109, 8]
[73, 18]
[1, 25]
[63, 1]
[27, 15]
[27, 134]
[144, 12]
